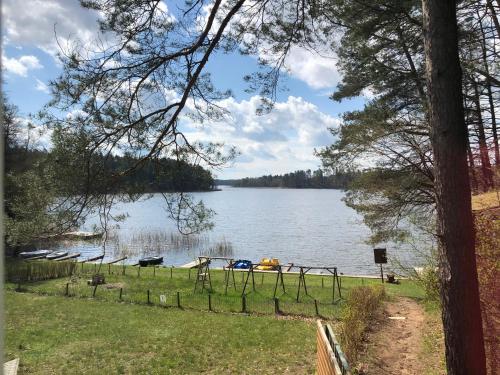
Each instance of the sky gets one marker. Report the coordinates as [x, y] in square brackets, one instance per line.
[279, 142]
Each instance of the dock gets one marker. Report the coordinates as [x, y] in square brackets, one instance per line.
[194, 264]
[117, 260]
[99, 257]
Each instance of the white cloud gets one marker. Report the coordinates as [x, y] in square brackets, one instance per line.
[316, 68]
[34, 23]
[319, 72]
[21, 65]
[41, 86]
[39, 21]
[278, 142]
[32, 135]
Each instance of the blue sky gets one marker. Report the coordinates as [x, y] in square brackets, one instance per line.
[279, 142]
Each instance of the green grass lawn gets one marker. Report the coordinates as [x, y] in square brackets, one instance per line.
[58, 335]
[103, 335]
[167, 282]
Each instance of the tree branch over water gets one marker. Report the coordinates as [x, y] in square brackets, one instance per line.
[133, 89]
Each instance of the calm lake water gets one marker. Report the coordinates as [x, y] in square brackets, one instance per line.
[306, 227]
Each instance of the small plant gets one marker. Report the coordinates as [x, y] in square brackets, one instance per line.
[428, 279]
[362, 303]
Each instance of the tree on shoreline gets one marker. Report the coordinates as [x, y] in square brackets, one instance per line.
[459, 290]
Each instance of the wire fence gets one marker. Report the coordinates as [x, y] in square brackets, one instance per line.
[254, 302]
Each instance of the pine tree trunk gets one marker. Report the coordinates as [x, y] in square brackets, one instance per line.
[458, 274]
[472, 167]
[493, 124]
[481, 136]
[490, 96]
[494, 17]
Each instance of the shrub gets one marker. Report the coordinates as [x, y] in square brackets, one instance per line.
[362, 303]
[428, 279]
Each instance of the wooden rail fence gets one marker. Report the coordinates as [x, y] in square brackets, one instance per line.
[330, 358]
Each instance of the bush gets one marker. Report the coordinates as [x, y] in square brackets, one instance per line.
[362, 303]
[20, 270]
[428, 279]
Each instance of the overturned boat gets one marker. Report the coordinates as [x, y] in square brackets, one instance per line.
[36, 253]
[56, 255]
[150, 261]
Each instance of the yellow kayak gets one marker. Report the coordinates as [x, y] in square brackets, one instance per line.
[267, 264]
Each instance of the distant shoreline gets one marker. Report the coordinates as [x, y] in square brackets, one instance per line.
[280, 187]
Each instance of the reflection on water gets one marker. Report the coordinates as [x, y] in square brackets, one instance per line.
[306, 227]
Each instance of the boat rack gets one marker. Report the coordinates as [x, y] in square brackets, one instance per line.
[302, 271]
[203, 276]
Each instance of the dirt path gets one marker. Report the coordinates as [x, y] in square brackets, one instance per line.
[396, 340]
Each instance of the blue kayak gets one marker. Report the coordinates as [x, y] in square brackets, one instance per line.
[242, 264]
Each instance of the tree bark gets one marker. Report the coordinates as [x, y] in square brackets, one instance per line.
[481, 136]
[472, 167]
[494, 17]
[490, 97]
[457, 263]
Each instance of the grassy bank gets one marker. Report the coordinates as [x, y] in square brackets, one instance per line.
[64, 335]
[134, 285]
[52, 333]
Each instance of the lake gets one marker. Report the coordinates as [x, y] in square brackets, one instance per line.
[308, 227]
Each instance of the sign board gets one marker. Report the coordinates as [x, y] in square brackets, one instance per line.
[380, 256]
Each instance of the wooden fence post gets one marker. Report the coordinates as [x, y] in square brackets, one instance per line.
[67, 289]
[276, 306]
[121, 291]
[109, 269]
[243, 303]
[171, 271]
[179, 300]
[123, 271]
[138, 271]
[209, 302]
[148, 297]
[322, 282]
[154, 271]
[316, 307]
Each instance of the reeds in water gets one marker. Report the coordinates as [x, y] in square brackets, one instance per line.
[221, 249]
[19, 270]
[153, 242]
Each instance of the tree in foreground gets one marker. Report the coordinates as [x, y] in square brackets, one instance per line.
[457, 262]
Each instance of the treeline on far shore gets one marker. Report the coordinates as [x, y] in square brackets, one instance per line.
[297, 180]
[160, 175]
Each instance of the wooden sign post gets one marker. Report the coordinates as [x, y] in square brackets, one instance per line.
[380, 255]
